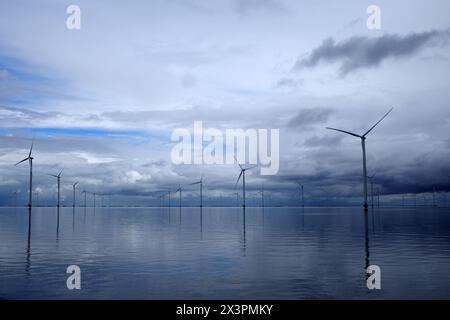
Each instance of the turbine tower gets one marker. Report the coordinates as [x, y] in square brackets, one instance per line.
[58, 177]
[200, 182]
[262, 195]
[242, 174]
[180, 191]
[84, 191]
[74, 186]
[30, 161]
[302, 194]
[363, 145]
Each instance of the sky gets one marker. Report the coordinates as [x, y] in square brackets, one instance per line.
[101, 102]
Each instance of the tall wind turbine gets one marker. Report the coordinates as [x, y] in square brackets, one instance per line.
[74, 186]
[363, 145]
[242, 174]
[58, 177]
[30, 161]
[200, 182]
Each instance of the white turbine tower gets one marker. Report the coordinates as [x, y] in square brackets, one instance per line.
[200, 182]
[30, 161]
[242, 174]
[363, 145]
[58, 178]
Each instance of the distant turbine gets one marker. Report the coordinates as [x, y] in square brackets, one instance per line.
[74, 186]
[242, 174]
[303, 196]
[84, 191]
[363, 144]
[262, 195]
[58, 177]
[15, 198]
[200, 182]
[30, 160]
[180, 191]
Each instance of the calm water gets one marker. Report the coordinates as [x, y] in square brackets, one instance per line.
[278, 253]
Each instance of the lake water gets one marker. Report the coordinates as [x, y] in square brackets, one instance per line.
[220, 253]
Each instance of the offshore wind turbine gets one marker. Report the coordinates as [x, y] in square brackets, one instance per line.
[363, 145]
[180, 191]
[15, 199]
[200, 182]
[30, 161]
[261, 192]
[303, 195]
[84, 191]
[74, 186]
[58, 177]
[242, 174]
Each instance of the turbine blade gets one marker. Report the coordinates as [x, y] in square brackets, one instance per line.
[198, 182]
[239, 178]
[22, 161]
[237, 162]
[365, 134]
[53, 175]
[251, 167]
[59, 174]
[31, 148]
[347, 132]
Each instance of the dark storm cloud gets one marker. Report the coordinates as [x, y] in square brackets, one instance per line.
[367, 52]
[307, 117]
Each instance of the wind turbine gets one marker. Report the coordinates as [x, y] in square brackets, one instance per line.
[180, 191]
[58, 177]
[363, 145]
[262, 195]
[303, 196]
[30, 161]
[15, 198]
[242, 174]
[74, 186]
[84, 191]
[200, 182]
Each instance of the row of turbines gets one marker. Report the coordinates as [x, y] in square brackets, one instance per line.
[30, 158]
[242, 172]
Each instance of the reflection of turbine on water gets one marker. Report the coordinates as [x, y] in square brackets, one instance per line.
[366, 242]
[28, 263]
[243, 229]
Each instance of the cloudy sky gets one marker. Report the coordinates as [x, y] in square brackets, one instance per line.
[101, 102]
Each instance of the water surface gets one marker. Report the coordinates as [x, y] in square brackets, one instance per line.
[222, 253]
